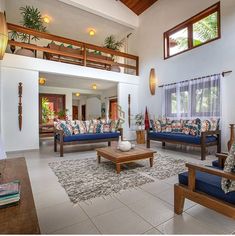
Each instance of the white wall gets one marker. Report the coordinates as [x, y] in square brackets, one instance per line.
[28, 137]
[2, 5]
[112, 10]
[209, 59]
[93, 108]
[123, 91]
[64, 91]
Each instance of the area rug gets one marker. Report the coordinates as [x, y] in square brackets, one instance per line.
[86, 179]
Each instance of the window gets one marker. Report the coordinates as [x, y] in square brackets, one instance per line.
[198, 30]
[196, 98]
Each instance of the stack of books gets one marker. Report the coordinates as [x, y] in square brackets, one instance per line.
[9, 194]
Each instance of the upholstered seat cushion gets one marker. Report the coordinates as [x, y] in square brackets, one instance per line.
[181, 137]
[95, 136]
[216, 164]
[209, 184]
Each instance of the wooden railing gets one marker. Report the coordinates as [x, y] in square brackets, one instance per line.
[79, 53]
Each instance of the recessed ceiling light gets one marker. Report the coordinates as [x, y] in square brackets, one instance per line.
[42, 81]
[77, 94]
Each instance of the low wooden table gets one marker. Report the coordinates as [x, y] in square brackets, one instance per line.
[118, 157]
[22, 218]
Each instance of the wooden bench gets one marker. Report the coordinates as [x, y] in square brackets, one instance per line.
[207, 139]
[61, 139]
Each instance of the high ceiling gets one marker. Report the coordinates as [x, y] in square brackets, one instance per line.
[138, 6]
[69, 21]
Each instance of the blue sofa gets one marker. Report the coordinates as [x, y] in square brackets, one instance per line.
[206, 139]
[202, 185]
[61, 139]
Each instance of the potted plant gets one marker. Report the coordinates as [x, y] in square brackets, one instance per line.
[111, 43]
[139, 121]
[47, 112]
[32, 19]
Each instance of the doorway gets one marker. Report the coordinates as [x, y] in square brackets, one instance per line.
[113, 112]
[75, 112]
[83, 112]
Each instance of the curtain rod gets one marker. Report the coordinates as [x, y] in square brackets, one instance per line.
[223, 74]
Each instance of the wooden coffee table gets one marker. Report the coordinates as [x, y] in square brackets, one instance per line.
[118, 157]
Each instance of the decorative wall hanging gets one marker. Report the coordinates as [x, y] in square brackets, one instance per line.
[3, 35]
[152, 81]
[20, 91]
[232, 136]
[129, 110]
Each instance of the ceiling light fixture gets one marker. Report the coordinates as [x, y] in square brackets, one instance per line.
[92, 32]
[42, 81]
[46, 19]
[94, 86]
[77, 94]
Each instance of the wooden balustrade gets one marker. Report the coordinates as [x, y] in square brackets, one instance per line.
[81, 53]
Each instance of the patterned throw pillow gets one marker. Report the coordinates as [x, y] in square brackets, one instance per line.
[95, 123]
[177, 126]
[205, 125]
[82, 126]
[210, 124]
[99, 128]
[76, 129]
[186, 127]
[156, 125]
[67, 129]
[166, 125]
[195, 127]
[226, 184]
[192, 127]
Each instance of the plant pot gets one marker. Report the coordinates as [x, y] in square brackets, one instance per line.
[25, 52]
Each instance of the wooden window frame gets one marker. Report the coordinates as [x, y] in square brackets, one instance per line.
[189, 25]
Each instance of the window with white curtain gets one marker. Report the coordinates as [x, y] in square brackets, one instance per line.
[193, 98]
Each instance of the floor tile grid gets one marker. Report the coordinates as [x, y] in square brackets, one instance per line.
[143, 217]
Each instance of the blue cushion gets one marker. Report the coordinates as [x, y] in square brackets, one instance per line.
[181, 137]
[209, 184]
[86, 137]
[215, 163]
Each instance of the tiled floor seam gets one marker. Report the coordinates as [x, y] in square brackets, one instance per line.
[141, 216]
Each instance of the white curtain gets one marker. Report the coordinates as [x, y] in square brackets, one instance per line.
[193, 98]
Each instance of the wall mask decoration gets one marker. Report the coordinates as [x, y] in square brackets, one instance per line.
[152, 81]
[20, 92]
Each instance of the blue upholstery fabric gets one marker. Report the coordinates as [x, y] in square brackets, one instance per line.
[87, 137]
[181, 137]
[209, 184]
[215, 163]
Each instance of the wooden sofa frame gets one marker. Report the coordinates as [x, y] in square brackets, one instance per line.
[182, 191]
[61, 142]
[203, 145]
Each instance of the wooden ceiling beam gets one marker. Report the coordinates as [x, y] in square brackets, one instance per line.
[138, 6]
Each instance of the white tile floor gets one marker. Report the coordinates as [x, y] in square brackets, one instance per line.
[144, 210]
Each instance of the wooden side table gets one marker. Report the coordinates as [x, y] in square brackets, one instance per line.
[140, 136]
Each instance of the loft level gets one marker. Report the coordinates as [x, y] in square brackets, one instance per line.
[56, 48]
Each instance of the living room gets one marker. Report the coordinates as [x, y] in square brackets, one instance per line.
[138, 99]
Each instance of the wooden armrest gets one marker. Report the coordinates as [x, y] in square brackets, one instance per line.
[207, 133]
[209, 170]
[222, 156]
[58, 131]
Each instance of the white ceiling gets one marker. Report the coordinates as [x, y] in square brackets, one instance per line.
[69, 21]
[53, 80]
